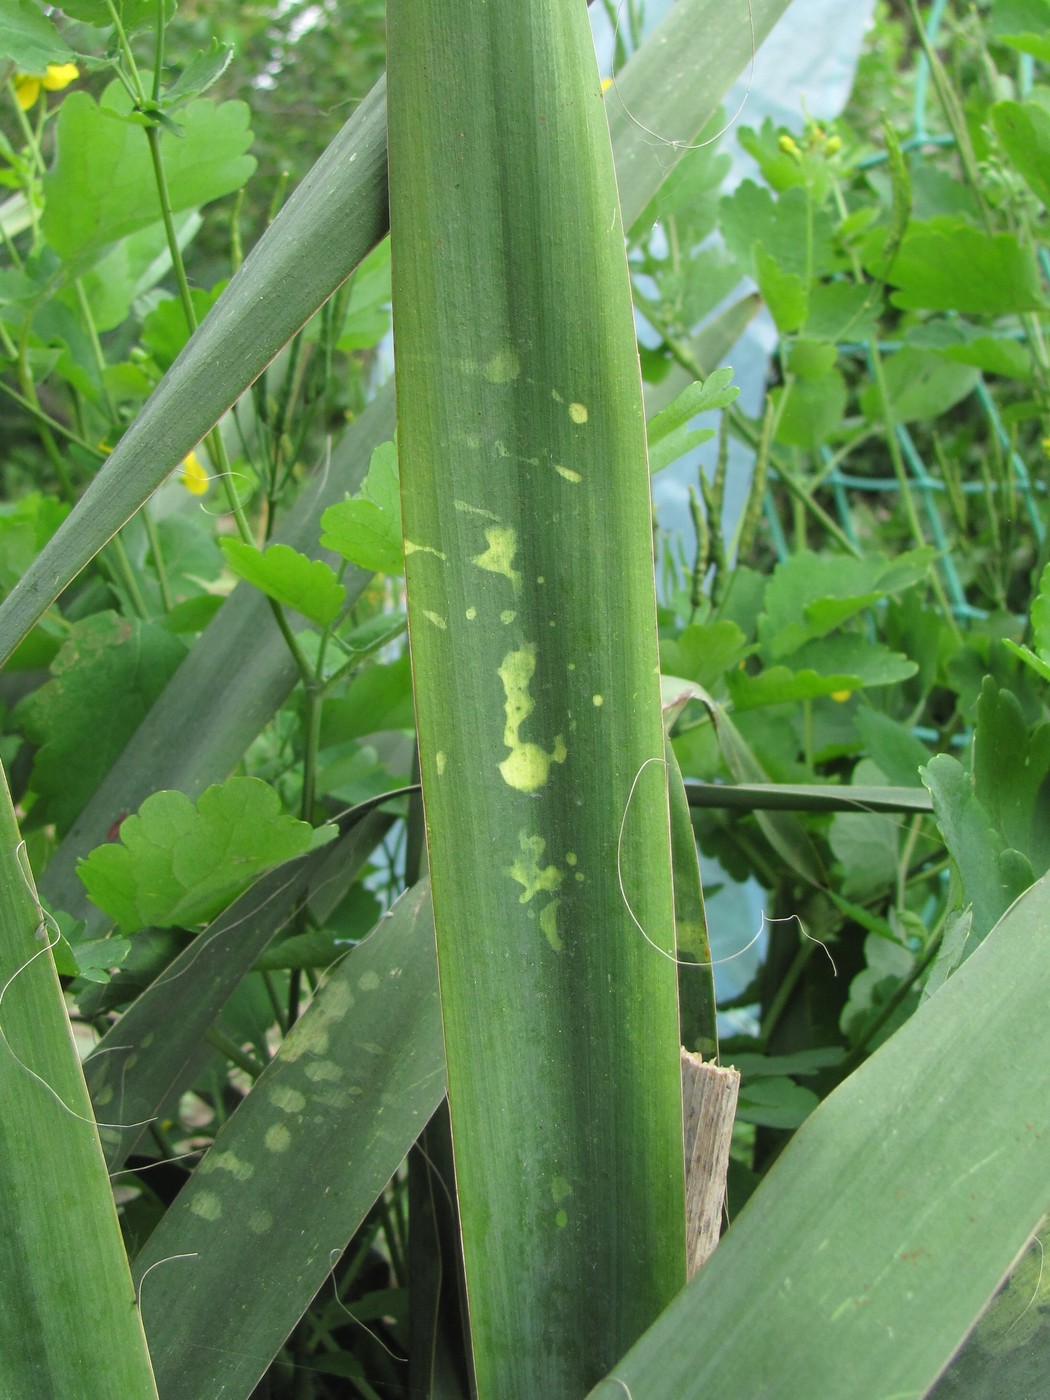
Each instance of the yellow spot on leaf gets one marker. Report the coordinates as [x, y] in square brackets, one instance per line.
[468, 509]
[230, 1162]
[578, 412]
[287, 1099]
[323, 1071]
[527, 871]
[561, 1219]
[571, 857]
[598, 700]
[436, 619]
[260, 1222]
[549, 925]
[412, 548]
[441, 759]
[560, 1189]
[528, 765]
[503, 368]
[278, 1138]
[471, 614]
[507, 616]
[567, 473]
[207, 1205]
[499, 557]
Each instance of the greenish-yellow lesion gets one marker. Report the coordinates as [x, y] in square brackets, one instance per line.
[533, 877]
[503, 367]
[207, 1205]
[277, 1138]
[578, 412]
[287, 1099]
[467, 509]
[412, 547]
[527, 766]
[568, 473]
[436, 619]
[549, 925]
[502, 543]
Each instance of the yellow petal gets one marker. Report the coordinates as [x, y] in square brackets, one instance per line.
[606, 84]
[194, 477]
[59, 76]
[27, 90]
[841, 696]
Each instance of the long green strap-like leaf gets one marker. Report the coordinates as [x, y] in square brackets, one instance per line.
[532, 617]
[874, 1242]
[68, 1322]
[236, 1260]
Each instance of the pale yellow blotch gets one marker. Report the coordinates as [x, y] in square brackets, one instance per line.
[442, 760]
[571, 857]
[567, 473]
[471, 614]
[499, 557]
[207, 1205]
[556, 396]
[229, 1162]
[527, 871]
[580, 878]
[540, 579]
[503, 368]
[468, 509]
[411, 547]
[507, 616]
[278, 1138]
[260, 1222]
[549, 925]
[368, 981]
[598, 700]
[561, 1219]
[527, 767]
[572, 665]
[436, 619]
[287, 1099]
[323, 1071]
[338, 1000]
[578, 412]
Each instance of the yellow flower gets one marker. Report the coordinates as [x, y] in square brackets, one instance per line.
[841, 696]
[606, 84]
[28, 85]
[194, 477]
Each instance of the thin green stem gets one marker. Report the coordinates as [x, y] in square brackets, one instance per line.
[908, 500]
[132, 77]
[233, 1052]
[215, 445]
[125, 575]
[742, 427]
[42, 419]
[158, 558]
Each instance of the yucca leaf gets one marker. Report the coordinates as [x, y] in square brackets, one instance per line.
[525, 501]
